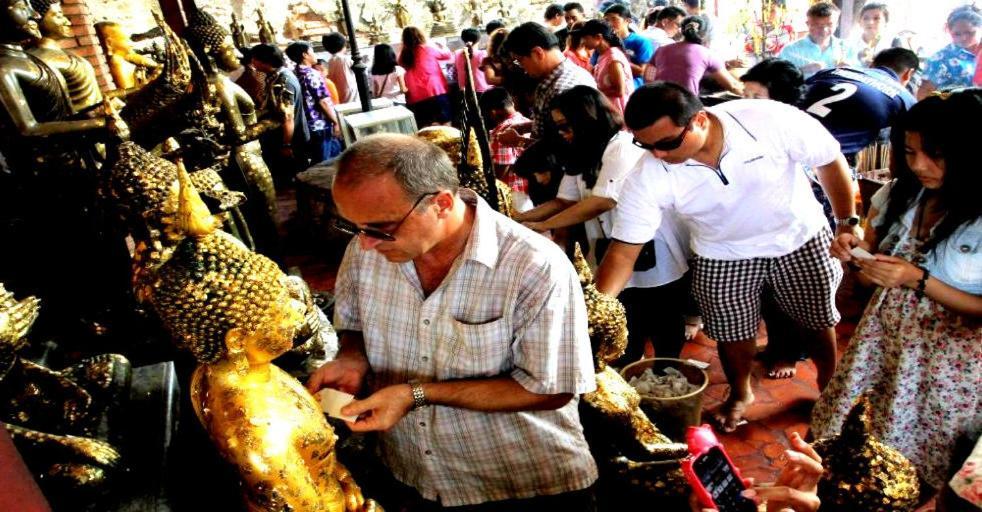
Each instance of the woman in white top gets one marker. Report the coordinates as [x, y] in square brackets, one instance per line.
[388, 78]
[599, 155]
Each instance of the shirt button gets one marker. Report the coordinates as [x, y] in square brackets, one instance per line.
[424, 359]
[422, 423]
[964, 248]
[426, 321]
[428, 452]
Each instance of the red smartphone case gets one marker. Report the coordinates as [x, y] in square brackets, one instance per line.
[700, 440]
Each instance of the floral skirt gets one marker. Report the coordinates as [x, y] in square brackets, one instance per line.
[921, 365]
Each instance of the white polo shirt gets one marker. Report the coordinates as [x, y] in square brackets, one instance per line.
[758, 204]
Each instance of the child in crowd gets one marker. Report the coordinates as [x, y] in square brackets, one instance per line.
[500, 110]
[321, 67]
[339, 67]
[388, 78]
[471, 37]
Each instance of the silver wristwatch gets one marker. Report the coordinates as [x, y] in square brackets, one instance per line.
[852, 220]
[419, 398]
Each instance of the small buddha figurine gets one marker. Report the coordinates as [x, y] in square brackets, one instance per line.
[401, 14]
[266, 33]
[129, 69]
[79, 75]
[238, 33]
[232, 309]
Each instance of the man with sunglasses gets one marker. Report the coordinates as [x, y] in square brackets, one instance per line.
[732, 173]
[464, 334]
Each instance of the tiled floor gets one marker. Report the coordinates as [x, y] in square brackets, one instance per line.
[781, 406]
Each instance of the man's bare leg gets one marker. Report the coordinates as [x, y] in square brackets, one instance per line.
[823, 351]
[737, 359]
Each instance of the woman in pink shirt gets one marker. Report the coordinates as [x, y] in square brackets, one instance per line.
[426, 85]
[613, 70]
[471, 37]
[688, 61]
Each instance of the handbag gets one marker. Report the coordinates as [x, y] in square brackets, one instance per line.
[646, 258]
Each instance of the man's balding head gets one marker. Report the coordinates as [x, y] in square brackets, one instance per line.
[418, 166]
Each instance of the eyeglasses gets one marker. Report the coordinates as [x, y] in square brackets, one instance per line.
[347, 227]
[564, 128]
[664, 144]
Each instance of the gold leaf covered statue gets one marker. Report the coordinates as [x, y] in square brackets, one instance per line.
[861, 473]
[471, 175]
[232, 309]
[401, 14]
[52, 415]
[129, 69]
[238, 33]
[79, 75]
[615, 405]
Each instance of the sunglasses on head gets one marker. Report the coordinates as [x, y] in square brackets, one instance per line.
[665, 144]
[349, 228]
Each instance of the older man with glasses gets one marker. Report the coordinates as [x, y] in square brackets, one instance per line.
[732, 173]
[464, 333]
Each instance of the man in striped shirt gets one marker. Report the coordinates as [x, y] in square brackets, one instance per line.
[465, 333]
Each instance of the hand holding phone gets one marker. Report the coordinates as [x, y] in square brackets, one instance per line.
[714, 479]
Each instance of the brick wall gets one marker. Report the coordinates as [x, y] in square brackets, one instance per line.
[86, 43]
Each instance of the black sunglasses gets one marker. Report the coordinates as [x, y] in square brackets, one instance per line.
[664, 144]
[347, 227]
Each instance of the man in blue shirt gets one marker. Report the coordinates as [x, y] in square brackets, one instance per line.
[820, 49]
[638, 48]
[856, 104]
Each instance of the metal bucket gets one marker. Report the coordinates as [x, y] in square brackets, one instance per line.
[672, 415]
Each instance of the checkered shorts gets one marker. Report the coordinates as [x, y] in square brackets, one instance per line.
[804, 284]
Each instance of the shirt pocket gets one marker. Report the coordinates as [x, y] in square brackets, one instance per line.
[961, 260]
[482, 349]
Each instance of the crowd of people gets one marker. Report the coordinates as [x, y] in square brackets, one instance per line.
[716, 215]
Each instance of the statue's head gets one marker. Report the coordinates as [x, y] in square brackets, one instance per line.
[208, 38]
[54, 23]
[18, 21]
[113, 38]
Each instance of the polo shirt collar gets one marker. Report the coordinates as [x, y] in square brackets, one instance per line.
[482, 244]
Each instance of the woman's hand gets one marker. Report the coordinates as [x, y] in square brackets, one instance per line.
[890, 271]
[844, 243]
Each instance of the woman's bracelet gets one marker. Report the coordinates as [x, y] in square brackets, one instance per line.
[922, 282]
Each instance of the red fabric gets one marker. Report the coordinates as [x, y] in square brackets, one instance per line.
[426, 80]
[18, 490]
[501, 154]
[977, 81]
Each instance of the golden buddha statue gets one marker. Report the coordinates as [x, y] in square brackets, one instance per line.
[862, 473]
[471, 174]
[129, 69]
[266, 33]
[232, 309]
[634, 448]
[215, 49]
[52, 415]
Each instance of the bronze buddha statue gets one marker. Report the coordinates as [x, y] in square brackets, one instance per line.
[266, 33]
[79, 75]
[238, 33]
[214, 48]
[233, 310]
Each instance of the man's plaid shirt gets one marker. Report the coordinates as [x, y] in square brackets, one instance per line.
[510, 306]
[566, 76]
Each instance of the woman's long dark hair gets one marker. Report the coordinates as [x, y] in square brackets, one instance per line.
[593, 121]
[384, 61]
[603, 29]
[944, 140]
[412, 38]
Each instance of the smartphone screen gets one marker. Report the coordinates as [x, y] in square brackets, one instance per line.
[721, 482]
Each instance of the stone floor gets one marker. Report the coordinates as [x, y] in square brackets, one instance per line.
[781, 407]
